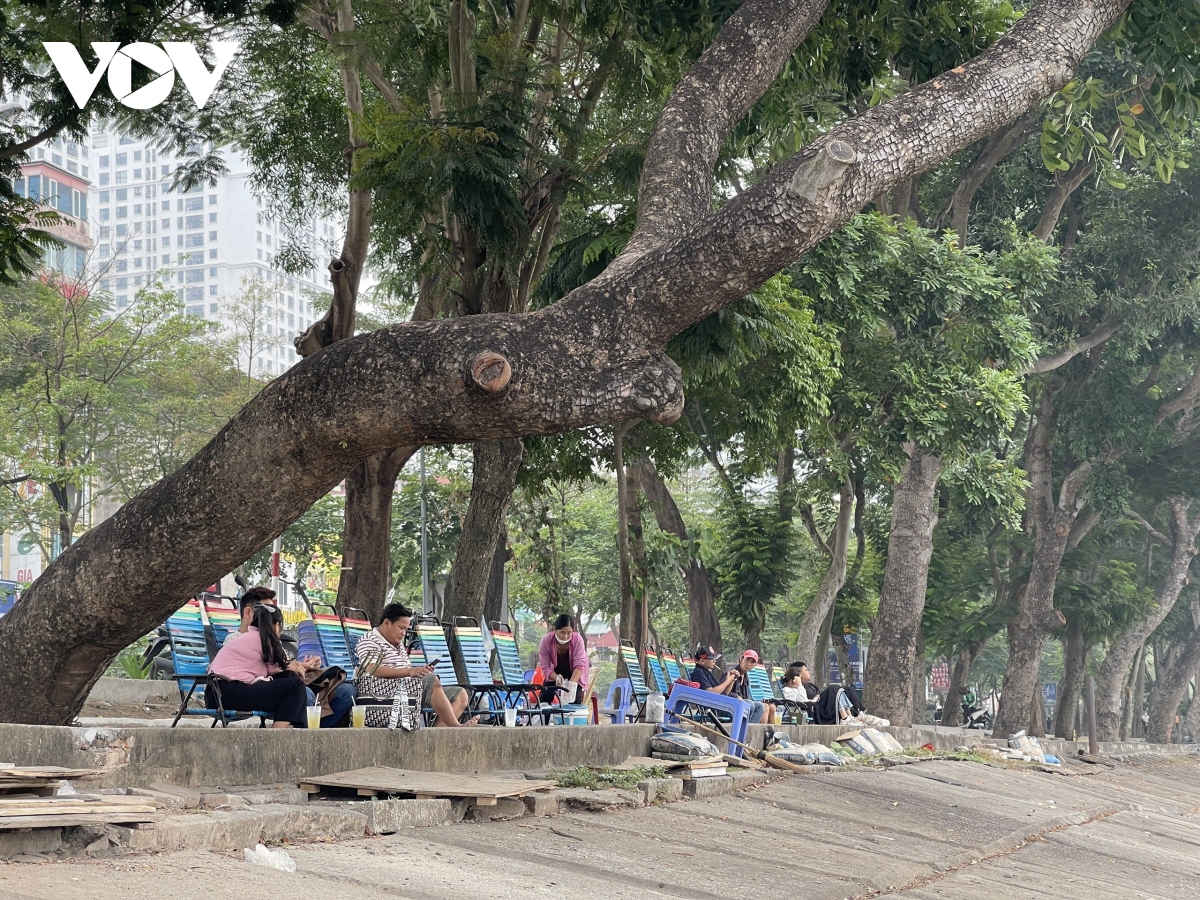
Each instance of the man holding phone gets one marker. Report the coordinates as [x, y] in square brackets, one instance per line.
[385, 670]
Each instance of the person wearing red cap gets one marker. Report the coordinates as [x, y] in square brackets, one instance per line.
[741, 689]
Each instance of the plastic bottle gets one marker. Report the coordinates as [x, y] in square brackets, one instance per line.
[656, 707]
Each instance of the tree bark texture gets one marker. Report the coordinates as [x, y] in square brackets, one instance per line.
[595, 357]
[1051, 521]
[1191, 721]
[366, 537]
[823, 600]
[1114, 671]
[1170, 690]
[1070, 689]
[492, 481]
[703, 625]
[902, 599]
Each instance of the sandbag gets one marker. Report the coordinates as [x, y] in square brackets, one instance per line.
[681, 746]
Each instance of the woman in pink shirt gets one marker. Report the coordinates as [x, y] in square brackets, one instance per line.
[562, 657]
[252, 674]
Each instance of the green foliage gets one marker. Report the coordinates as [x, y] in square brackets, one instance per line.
[598, 778]
[98, 403]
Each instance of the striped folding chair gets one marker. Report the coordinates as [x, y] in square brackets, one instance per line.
[472, 651]
[686, 664]
[429, 644]
[657, 672]
[223, 619]
[189, 655]
[671, 664]
[637, 682]
[760, 684]
[335, 651]
[355, 625]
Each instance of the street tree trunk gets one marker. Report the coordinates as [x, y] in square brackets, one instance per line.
[1051, 523]
[1114, 671]
[902, 599]
[822, 603]
[1191, 721]
[493, 601]
[960, 678]
[595, 357]
[366, 541]
[492, 482]
[704, 628]
[1170, 690]
[1070, 689]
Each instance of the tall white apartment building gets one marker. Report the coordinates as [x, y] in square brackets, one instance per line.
[205, 242]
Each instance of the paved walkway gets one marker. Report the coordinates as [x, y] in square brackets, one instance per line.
[927, 830]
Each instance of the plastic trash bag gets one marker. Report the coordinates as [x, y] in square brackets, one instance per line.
[272, 859]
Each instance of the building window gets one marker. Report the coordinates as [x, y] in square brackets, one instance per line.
[194, 275]
[122, 301]
[166, 259]
[212, 254]
[104, 161]
[137, 173]
[137, 155]
[194, 294]
[166, 241]
[122, 230]
[212, 272]
[194, 240]
[191, 204]
[122, 212]
[212, 307]
[104, 196]
[260, 252]
[137, 209]
[212, 235]
[103, 178]
[104, 214]
[197, 311]
[122, 176]
[195, 222]
[122, 194]
[122, 159]
[212, 218]
[268, 240]
[166, 224]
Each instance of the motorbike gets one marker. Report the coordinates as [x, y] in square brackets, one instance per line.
[976, 717]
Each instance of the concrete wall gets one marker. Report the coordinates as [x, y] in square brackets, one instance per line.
[132, 690]
[247, 756]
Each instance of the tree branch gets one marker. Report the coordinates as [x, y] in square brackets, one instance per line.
[719, 89]
[45, 134]
[1089, 341]
[998, 146]
[1155, 535]
[1063, 189]
[806, 514]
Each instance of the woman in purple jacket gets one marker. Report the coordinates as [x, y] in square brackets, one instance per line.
[562, 657]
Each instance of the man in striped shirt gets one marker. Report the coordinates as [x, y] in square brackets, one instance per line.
[385, 670]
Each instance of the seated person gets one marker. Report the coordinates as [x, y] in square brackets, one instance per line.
[252, 673]
[343, 695]
[760, 710]
[562, 658]
[246, 604]
[841, 705]
[385, 671]
[705, 674]
[797, 684]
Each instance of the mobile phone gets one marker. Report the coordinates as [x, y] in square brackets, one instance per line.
[431, 663]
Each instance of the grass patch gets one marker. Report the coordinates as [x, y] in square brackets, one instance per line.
[598, 778]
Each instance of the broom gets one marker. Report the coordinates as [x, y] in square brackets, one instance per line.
[772, 761]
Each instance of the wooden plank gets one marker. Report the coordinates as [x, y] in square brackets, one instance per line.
[9, 772]
[381, 779]
[310, 788]
[63, 821]
[486, 801]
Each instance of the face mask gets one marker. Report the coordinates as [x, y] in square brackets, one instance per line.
[561, 641]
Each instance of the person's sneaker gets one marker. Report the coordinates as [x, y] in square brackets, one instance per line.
[871, 721]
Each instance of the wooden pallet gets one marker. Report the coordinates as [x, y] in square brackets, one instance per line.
[369, 782]
[75, 809]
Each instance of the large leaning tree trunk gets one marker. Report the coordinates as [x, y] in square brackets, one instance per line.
[836, 549]
[492, 481]
[902, 600]
[1070, 689]
[594, 357]
[703, 625]
[1121, 653]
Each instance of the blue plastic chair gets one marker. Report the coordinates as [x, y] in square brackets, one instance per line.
[189, 656]
[618, 711]
[693, 703]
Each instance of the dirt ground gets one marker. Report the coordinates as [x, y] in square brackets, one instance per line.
[945, 829]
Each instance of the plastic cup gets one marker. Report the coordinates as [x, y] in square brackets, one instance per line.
[510, 718]
[314, 717]
[358, 717]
